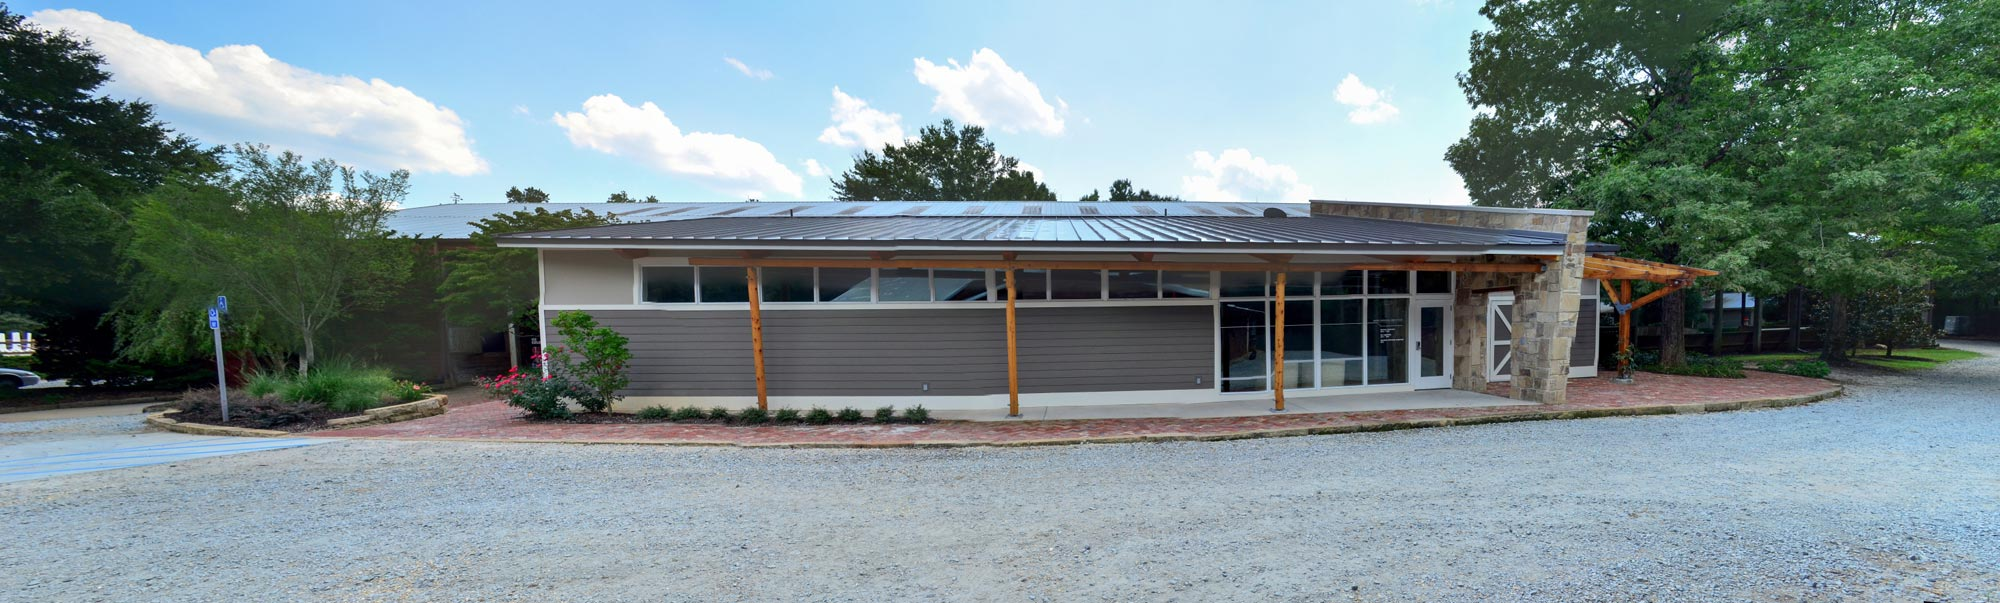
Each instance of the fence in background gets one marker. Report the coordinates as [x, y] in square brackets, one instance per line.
[16, 343]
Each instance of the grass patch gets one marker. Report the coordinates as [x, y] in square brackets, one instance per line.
[1904, 360]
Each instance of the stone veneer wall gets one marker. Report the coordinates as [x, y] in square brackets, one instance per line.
[1545, 304]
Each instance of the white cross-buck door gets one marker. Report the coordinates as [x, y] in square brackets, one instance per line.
[1499, 336]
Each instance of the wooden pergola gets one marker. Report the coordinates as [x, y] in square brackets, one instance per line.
[1280, 264]
[1607, 268]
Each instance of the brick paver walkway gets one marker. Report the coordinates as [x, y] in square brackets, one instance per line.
[1652, 394]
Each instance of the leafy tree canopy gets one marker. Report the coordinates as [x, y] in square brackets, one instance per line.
[528, 195]
[946, 163]
[1122, 190]
[487, 286]
[621, 197]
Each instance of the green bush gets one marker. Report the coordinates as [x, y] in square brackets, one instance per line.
[655, 413]
[786, 415]
[1703, 366]
[718, 414]
[917, 414]
[849, 415]
[339, 386]
[593, 355]
[1816, 369]
[546, 399]
[689, 413]
[886, 414]
[818, 416]
[411, 391]
[26, 363]
[752, 416]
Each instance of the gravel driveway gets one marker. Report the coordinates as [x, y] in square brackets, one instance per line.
[1891, 493]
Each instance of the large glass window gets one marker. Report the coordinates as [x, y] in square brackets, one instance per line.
[1076, 284]
[845, 284]
[1034, 284]
[1388, 282]
[1298, 284]
[1340, 283]
[724, 285]
[1134, 284]
[1242, 284]
[1245, 364]
[1180, 283]
[958, 285]
[1340, 338]
[667, 284]
[1298, 343]
[1388, 341]
[904, 284]
[786, 284]
[1437, 281]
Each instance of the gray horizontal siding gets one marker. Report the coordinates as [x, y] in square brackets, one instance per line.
[1115, 349]
[897, 352]
[1583, 347]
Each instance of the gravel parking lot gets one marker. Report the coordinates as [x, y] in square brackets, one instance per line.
[1891, 493]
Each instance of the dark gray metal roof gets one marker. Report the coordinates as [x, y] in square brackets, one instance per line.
[987, 231]
[454, 221]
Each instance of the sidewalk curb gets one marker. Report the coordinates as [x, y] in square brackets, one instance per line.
[1393, 425]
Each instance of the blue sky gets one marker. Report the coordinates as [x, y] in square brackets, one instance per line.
[1212, 101]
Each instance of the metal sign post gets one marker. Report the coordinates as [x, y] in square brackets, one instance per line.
[221, 378]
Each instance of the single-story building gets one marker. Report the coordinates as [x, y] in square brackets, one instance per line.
[984, 305]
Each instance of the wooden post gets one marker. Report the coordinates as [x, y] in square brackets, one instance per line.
[757, 337]
[1013, 358]
[1278, 343]
[1625, 329]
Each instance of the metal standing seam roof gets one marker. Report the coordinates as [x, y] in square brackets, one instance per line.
[1086, 231]
[454, 221]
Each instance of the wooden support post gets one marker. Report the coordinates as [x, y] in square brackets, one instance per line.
[1625, 330]
[757, 337]
[1278, 345]
[1013, 351]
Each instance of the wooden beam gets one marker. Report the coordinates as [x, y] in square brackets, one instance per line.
[1275, 258]
[881, 255]
[1013, 354]
[1099, 265]
[754, 254]
[1662, 292]
[1143, 256]
[1278, 353]
[1611, 294]
[1009, 255]
[757, 337]
[631, 254]
[1625, 330]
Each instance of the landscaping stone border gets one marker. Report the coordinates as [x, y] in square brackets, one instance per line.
[434, 405]
[1365, 426]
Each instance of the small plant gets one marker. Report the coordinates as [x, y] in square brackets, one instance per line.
[786, 415]
[752, 416]
[1704, 366]
[546, 398]
[917, 414]
[689, 413]
[655, 413]
[886, 414]
[595, 356]
[849, 415]
[818, 416]
[411, 391]
[718, 414]
[1816, 369]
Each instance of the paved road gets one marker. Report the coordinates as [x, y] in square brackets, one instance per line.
[1889, 494]
[48, 443]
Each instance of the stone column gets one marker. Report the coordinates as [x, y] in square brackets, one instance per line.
[1468, 337]
[1545, 315]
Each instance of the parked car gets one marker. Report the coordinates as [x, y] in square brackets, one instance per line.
[17, 378]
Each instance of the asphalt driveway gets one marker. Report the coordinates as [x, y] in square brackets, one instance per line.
[1891, 493]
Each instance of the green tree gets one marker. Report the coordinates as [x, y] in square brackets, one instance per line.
[621, 197]
[1122, 190]
[489, 286]
[595, 356]
[72, 162]
[945, 163]
[529, 195]
[294, 244]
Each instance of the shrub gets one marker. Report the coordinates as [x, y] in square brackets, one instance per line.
[886, 414]
[718, 414]
[1703, 366]
[546, 398]
[260, 412]
[1816, 369]
[849, 415]
[655, 413]
[917, 414]
[689, 413]
[752, 416]
[340, 386]
[594, 356]
[818, 416]
[26, 363]
[411, 391]
[786, 415]
[263, 383]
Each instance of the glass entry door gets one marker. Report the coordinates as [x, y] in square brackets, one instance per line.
[1433, 357]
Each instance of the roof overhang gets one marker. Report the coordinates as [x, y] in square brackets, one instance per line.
[1038, 247]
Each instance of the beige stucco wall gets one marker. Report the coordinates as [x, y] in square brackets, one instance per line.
[574, 277]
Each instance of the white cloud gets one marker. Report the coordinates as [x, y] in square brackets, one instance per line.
[814, 169]
[855, 124]
[762, 74]
[644, 134]
[522, 110]
[1237, 175]
[1371, 106]
[248, 94]
[1022, 166]
[986, 92]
